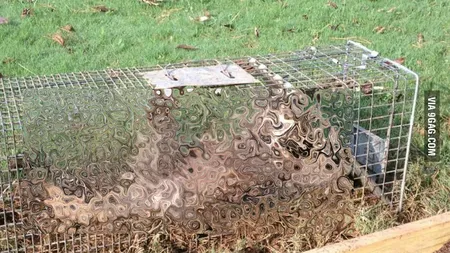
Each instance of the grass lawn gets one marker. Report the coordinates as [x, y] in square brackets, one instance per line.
[134, 34]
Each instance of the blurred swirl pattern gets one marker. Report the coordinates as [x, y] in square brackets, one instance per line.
[230, 160]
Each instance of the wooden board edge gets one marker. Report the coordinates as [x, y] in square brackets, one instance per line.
[426, 235]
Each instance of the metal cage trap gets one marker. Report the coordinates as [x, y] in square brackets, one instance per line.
[89, 160]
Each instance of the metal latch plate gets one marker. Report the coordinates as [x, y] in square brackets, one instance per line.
[199, 76]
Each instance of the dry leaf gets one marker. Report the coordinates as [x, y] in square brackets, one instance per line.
[355, 21]
[58, 39]
[48, 6]
[305, 17]
[245, 65]
[8, 60]
[152, 2]
[334, 27]
[256, 32]
[372, 199]
[420, 41]
[420, 38]
[68, 28]
[366, 88]
[332, 4]
[284, 4]
[391, 9]
[400, 60]
[421, 131]
[291, 30]
[166, 13]
[206, 16]
[202, 18]
[112, 73]
[102, 8]
[379, 29]
[229, 26]
[186, 47]
[251, 44]
[26, 12]
[3, 21]
[316, 38]
[419, 62]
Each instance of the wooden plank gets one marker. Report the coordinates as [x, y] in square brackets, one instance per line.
[427, 235]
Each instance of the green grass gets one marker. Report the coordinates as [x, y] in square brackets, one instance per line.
[136, 34]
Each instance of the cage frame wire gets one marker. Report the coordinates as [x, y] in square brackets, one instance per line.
[121, 79]
[411, 120]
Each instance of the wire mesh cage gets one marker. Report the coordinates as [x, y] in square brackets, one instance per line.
[97, 161]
